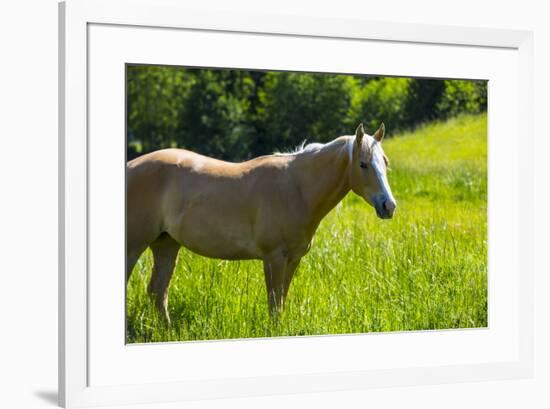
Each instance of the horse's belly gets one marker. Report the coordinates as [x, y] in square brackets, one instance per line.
[225, 251]
[216, 238]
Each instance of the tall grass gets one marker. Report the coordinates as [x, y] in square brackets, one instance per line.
[424, 269]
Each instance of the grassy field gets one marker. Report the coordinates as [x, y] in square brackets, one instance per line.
[424, 269]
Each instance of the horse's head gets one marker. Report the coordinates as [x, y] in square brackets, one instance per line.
[368, 172]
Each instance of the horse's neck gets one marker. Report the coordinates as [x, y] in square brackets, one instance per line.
[324, 179]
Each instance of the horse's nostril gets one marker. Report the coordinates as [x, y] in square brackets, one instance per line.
[389, 205]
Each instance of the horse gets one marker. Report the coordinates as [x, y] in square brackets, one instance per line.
[267, 208]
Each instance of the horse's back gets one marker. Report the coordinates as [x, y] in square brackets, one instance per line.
[166, 158]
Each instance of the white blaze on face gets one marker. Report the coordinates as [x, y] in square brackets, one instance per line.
[379, 167]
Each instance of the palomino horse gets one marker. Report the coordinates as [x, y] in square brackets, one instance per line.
[267, 208]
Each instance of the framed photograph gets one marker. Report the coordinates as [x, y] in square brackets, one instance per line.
[261, 204]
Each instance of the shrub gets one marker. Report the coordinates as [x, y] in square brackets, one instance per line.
[379, 99]
[462, 96]
[297, 106]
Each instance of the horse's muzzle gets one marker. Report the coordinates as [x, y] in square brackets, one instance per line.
[386, 209]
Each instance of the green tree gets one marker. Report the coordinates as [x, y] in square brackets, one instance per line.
[424, 95]
[155, 97]
[217, 119]
[239, 114]
[462, 96]
[298, 106]
[381, 99]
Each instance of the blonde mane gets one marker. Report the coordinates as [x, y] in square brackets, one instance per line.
[305, 148]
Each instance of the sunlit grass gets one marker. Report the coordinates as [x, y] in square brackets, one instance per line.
[424, 269]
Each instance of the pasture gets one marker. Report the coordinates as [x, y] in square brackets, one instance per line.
[424, 269]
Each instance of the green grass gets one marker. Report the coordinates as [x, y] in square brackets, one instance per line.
[424, 269]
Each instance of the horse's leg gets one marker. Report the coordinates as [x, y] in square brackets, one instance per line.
[132, 255]
[278, 272]
[165, 250]
[274, 271]
[139, 233]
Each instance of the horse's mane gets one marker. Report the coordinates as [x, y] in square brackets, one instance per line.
[305, 147]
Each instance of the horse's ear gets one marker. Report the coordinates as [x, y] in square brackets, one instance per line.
[379, 134]
[359, 133]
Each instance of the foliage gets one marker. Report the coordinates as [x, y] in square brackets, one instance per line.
[383, 98]
[424, 269]
[462, 96]
[155, 98]
[309, 105]
[216, 115]
[422, 100]
[239, 114]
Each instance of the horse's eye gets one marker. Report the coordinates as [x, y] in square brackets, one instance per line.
[363, 165]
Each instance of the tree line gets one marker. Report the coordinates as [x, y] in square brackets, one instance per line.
[239, 114]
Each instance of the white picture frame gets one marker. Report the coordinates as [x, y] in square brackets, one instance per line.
[75, 19]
